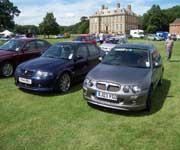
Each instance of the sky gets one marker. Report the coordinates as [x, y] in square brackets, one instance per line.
[68, 12]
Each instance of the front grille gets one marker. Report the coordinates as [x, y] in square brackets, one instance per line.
[113, 88]
[108, 87]
[101, 86]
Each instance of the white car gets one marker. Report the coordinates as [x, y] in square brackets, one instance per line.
[178, 37]
[110, 43]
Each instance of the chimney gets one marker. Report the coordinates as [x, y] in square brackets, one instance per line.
[103, 7]
[129, 7]
[118, 5]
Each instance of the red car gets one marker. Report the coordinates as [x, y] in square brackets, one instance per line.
[86, 38]
[16, 51]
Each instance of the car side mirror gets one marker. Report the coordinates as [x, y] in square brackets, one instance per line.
[100, 58]
[156, 65]
[78, 57]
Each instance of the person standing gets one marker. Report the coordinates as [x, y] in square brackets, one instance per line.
[169, 47]
[101, 38]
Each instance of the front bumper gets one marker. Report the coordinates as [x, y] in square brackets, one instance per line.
[38, 85]
[124, 102]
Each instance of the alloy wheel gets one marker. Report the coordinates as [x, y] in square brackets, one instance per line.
[7, 70]
[64, 82]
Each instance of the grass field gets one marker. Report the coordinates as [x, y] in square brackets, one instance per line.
[50, 121]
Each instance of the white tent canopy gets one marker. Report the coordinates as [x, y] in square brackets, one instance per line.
[6, 33]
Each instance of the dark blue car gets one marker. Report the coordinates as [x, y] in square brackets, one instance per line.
[58, 67]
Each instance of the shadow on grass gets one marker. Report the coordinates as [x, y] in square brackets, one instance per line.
[158, 99]
[74, 88]
[174, 61]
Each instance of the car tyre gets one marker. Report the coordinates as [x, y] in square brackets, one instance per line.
[149, 100]
[64, 83]
[7, 69]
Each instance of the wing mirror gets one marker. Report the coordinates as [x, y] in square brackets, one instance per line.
[156, 65]
[78, 57]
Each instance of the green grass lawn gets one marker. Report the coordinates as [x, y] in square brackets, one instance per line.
[51, 121]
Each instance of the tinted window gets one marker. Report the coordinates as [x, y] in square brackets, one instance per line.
[128, 57]
[41, 44]
[93, 50]
[82, 51]
[156, 57]
[31, 46]
[12, 45]
[59, 51]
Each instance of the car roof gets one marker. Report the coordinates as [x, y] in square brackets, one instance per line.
[26, 39]
[72, 43]
[148, 47]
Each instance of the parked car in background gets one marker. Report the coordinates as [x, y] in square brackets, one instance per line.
[110, 43]
[126, 78]
[137, 33]
[154, 37]
[86, 38]
[58, 67]
[17, 51]
[162, 34]
[151, 37]
[178, 37]
[59, 36]
[173, 37]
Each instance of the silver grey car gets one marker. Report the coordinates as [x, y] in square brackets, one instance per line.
[126, 78]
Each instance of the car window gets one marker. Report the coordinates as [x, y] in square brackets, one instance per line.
[93, 50]
[155, 56]
[31, 46]
[82, 51]
[41, 44]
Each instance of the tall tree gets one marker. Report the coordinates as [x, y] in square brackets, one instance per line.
[155, 20]
[49, 26]
[7, 13]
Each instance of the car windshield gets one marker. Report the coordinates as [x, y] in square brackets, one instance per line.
[128, 57]
[115, 41]
[12, 45]
[59, 52]
[79, 38]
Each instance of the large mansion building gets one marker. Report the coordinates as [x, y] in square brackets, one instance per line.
[120, 20]
[175, 27]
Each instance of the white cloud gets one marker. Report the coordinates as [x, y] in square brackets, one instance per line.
[67, 13]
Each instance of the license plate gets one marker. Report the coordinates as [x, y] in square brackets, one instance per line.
[26, 81]
[106, 96]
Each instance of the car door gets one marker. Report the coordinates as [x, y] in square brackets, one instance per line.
[30, 51]
[94, 54]
[157, 67]
[81, 61]
[42, 46]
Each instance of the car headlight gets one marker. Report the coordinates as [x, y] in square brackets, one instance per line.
[41, 74]
[88, 82]
[136, 89]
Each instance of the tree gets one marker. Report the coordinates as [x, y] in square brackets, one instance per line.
[7, 13]
[84, 18]
[24, 29]
[49, 26]
[155, 20]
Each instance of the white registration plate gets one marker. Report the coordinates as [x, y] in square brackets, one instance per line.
[107, 96]
[26, 81]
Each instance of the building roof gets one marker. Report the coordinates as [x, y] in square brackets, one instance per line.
[104, 11]
[177, 21]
